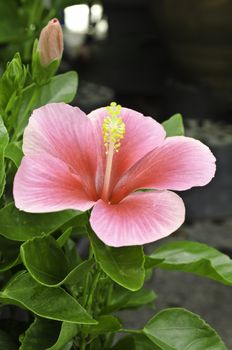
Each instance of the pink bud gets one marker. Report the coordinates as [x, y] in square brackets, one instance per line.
[50, 44]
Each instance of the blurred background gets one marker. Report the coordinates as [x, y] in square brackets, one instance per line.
[159, 57]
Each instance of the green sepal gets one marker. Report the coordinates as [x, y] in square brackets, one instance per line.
[41, 75]
[12, 80]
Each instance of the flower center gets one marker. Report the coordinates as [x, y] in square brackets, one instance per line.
[113, 132]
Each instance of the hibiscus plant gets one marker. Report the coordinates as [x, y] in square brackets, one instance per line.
[80, 196]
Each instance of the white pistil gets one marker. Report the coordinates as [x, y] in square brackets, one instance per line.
[109, 162]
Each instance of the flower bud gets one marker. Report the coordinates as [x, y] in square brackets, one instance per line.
[50, 45]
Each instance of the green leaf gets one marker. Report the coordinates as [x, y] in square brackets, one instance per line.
[126, 343]
[140, 298]
[135, 342]
[78, 274]
[61, 88]
[45, 260]
[40, 335]
[64, 237]
[72, 254]
[143, 343]
[47, 334]
[9, 254]
[68, 331]
[124, 265]
[180, 329]
[20, 226]
[193, 257]
[122, 298]
[48, 265]
[106, 324]
[174, 125]
[51, 303]
[3, 143]
[6, 342]
[14, 152]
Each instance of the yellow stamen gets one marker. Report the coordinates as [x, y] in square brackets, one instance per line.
[113, 127]
[113, 132]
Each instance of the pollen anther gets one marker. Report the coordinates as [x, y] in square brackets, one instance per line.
[113, 127]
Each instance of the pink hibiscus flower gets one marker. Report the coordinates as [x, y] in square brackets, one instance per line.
[74, 161]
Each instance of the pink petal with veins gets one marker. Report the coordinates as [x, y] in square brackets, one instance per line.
[179, 163]
[46, 184]
[140, 218]
[65, 133]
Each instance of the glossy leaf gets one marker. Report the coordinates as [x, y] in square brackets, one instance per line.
[79, 272]
[20, 226]
[64, 237]
[48, 265]
[45, 260]
[3, 143]
[14, 152]
[193, 257]
[79, 226]
[174, 125]
[126, 343]
[51, 303]
[135, 342]
[143, 343]
[124, 265]
[122, 298]
[72, 253]
[180, 329]
[140, 298]
[106, 324]
[61, 88]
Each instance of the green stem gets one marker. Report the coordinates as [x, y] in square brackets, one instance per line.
[83, 345]
[85, 292]
[109, 295]
[28, 87]
[93, 288]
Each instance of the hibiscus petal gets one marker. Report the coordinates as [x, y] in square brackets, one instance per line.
[178, 164]
[46, 184]
[66, 133]
[142, 135]
[140, 218]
